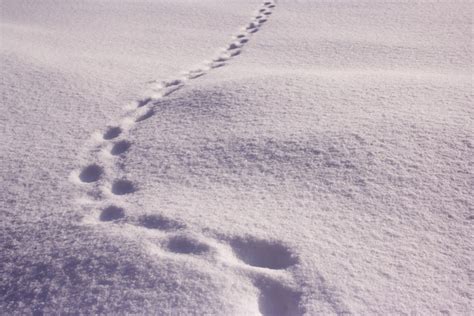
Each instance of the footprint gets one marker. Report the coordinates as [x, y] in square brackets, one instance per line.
[160, 222]
[222, 58]
[112, 132]
[91, 173]
[252, 26]
[171, 89]
[277, 299]
[143, 102]
[145, 116]
[196, 74]
[263, 254]
[217, 65]
[234, 46]
[171, 83]
[112, 213]
[122, 187]
[120, 147]
[235, 53]
[186, 245]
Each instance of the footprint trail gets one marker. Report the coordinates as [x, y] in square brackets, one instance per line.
[266, 264]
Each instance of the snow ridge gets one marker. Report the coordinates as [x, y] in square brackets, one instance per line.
[264, 263]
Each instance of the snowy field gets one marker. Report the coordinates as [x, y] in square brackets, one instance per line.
[237, 157]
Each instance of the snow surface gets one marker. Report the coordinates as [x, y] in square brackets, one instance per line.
[181, 157]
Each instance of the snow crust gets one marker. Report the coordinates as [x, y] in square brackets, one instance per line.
[236, 157]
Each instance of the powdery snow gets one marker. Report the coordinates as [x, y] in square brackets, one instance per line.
[236, 157]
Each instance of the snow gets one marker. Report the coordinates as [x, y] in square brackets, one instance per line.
[236, 157]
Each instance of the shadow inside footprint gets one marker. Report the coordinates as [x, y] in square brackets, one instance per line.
[143, 102]
[277, 299]
[112, 213]
[171, 83]
[145, 116]
[121, 187]
[263, 254]
[159, 222]
[91, 173]
[120, 147]
[186, 245]
[112, 132]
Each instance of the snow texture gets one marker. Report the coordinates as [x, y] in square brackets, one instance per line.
[288, 157]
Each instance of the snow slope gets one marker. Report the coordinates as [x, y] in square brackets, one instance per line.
[157, 159]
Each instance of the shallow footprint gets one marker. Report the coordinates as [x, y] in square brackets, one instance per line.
[91, 173]
[112, 132]
[145, 116]
[121, 187]
[263, 254]
[277, 299]
[120, 147]
[252, 26]
[186, 245]
[112, 213]
[159, 222]
[171, 83]
[143, 102]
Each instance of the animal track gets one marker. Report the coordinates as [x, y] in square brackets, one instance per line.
[143, 102]
[120, 147]
[186, 245]
[121, 187]
[234, 46]
[91, 173]
[112, 213]
[160, 222]
[276, 298]
[145, 116]
[263, 254]
[171, 83]
[112, 132]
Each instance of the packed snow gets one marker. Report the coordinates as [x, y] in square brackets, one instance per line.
[179, 157]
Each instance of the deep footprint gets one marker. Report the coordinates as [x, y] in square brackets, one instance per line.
[91, 173]
[160, 222]
[186, 245]
[112, 213]
[278, 300]
[121, 187]
[263, 254]
[112, 132]
[120, 147]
